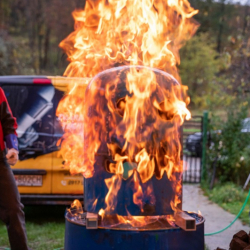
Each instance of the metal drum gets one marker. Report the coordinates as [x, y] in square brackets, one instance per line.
[77, 237]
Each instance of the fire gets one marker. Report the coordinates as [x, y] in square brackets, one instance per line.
[131, 114]
[113, 184]
[136, 222]
[128, 32]
[138, 193]
[70, 113]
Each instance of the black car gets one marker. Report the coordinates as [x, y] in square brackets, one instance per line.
[194, 141]
[194, 144]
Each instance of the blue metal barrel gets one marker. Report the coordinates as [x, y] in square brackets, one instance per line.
[77, 237]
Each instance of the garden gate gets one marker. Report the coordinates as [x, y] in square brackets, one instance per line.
[192, 153]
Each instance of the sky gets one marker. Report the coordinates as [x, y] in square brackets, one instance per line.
[242, 2]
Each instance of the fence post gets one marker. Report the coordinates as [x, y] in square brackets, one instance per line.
[204, 144]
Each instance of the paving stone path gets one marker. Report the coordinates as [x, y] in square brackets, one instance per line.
[215, 217]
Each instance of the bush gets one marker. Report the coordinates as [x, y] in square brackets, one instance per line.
[229, 152]
[230, 197]
[226, 193]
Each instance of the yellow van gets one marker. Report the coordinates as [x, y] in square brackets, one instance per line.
[40, 173]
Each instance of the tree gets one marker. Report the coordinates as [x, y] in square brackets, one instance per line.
[198, 67]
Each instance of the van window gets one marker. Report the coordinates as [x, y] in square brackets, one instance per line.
[33, 107]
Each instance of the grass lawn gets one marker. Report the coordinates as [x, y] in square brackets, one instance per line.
[191, 130]
[231, 198]
[45, 227]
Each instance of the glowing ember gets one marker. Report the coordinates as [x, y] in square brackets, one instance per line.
[132, 114]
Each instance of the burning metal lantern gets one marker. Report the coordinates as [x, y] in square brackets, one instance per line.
[133, 161]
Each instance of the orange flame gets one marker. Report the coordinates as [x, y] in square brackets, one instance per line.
[134, 32]
[70, 113]
[138, 194]
[113, 184]
[127, 32]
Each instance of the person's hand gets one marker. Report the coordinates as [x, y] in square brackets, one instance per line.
[12, 156]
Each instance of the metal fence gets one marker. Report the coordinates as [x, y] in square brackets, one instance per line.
[192, 150]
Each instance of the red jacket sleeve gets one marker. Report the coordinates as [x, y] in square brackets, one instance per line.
[8, 122]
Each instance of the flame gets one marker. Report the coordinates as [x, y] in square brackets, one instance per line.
[75, 209]
[113, 185]
[136, 222]
[94, 204]
[70, 112]
[145, 172]
[138, 193]
[171, 220]
[76, 205]
[127, 32]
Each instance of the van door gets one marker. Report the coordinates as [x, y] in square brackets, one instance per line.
[32, 105]
[62, 181]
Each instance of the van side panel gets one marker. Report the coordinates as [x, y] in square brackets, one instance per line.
[43, 163]
[62, 181]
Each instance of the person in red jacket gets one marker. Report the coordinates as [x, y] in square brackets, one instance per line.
[11, 209]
